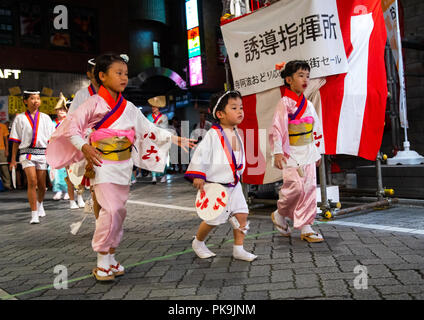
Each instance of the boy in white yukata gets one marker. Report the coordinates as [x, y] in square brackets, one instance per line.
[117, 126]
[220, 158]
[296, 142]
[30, 133]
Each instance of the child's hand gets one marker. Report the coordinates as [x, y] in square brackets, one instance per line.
[278, 160]
[92, 155]
[198, 183]
[184, 143]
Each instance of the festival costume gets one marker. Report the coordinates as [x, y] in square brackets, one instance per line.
[160, 120]
[200, 129]
[32, 134]
[125, 138]
[296, 132]
[81, 96]
[59, 182]
[215, 161]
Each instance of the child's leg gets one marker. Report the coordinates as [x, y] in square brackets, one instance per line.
[239, 235]
[198, 243]
[41, 185]
[31, 176]
[203, 231]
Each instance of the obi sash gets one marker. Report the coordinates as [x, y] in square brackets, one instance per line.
[114, 145]
[300, 131]
[34, 125]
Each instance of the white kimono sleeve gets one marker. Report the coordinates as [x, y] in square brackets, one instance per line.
[16, 131]
[201, 159]
[151, 143]
[318, 133]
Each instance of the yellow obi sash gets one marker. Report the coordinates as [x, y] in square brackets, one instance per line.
[114, 148]
[300, 131]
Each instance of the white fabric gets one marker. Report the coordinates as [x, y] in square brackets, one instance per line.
[39, 164]
[22, 131]
[236, 204]
[302, 155]
[209, 158]
[80, 96]
[119, 172]
[355, 87]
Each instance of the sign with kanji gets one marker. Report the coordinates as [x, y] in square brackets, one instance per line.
[16, 105]
[287, 30]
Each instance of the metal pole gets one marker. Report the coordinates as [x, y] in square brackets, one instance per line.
[371, 205]
[380, 190]
[392, 97]
[323, 184]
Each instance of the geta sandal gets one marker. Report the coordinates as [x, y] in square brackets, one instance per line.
[103, 278]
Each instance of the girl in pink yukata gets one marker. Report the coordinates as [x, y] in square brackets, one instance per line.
[295, 137]
[117, 125]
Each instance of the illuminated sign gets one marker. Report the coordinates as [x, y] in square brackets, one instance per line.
[196, 75]
[193, 42]
[192, 16]
[6, 73]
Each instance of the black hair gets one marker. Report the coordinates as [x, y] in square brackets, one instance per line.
[226, 95]
[292, 67]
[103, 63]
[27, 95]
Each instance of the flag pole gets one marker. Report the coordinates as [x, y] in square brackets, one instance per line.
[406, 156]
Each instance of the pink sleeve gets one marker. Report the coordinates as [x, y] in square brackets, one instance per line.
[278, 133]
[60, 151]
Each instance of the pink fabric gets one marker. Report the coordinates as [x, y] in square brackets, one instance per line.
[298, 196]
[279, 128]
[303, 120]
[109, 225]
[60, 151]
[107, 133]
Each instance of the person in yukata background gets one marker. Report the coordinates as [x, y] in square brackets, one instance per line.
[30, 133]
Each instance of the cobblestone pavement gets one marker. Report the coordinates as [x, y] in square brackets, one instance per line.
[160, 264]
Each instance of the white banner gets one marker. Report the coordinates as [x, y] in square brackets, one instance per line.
[390, 11]
[4, 108]
[287, 30]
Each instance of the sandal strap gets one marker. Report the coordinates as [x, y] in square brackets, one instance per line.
[115, 267]
[104, 270]
[276, 224]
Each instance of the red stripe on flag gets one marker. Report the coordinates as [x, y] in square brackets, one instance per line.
[255, 158]
[375, 108]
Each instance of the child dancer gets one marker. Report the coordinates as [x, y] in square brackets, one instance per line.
[61, 182]
[84, 93]
[117, 126]
[294, 137]
[30, 133]
[220, 158]
[160, 120]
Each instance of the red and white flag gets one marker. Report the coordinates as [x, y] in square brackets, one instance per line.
[351, 105]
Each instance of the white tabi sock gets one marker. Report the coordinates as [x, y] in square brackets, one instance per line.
[103, 261]
[40, 209]
[114, 263]
[307, 229]
[241, 254]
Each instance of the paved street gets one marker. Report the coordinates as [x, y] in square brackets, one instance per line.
[378, 255]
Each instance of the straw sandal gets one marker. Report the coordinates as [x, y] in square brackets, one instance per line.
[103, 278]
[286, 232]
[116, 271]
[311, 237]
